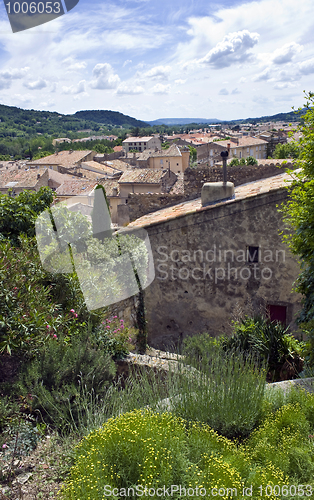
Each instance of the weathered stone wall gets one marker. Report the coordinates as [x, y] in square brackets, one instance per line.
[194, 178]
[141, 204]
[202, 273]
[125, 309]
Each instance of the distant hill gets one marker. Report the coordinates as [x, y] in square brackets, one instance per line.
[18, 122]
[182, 121]
[291, 116]
[110, 118]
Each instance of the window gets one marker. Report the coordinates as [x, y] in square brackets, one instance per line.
[235, 151]
[161, 162]
[252, 254]
[247, 150]
[256, 148]
[260, 148]
[240, 154]
[277, 313]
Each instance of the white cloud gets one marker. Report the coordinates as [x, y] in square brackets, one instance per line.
[159, 88]
[223, 91]
[158, 73]
[180, 82]
[104, 77]
[284, 85]
[14, 74]
[37, 85]
[235, 91]
[307, 67]
[127, 90]
[263, 76]
[75, 89]
[72, 65]
[234, 48]
[286, 53]
[128, 61]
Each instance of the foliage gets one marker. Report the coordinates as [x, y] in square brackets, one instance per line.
[269, 341]
[250, 160]
[18, 215]
[289, 150]
[115, 338]
[283, 440]
[193, 154]
[299, 217]
[234, 162]
[158, 450]
[36, 305]
[54, 375]
[225, 390]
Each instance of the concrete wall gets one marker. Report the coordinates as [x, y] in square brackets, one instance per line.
[202, 273]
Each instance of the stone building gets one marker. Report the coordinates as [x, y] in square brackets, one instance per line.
[212, 261]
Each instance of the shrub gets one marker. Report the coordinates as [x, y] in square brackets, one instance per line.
[270, 342]
[115, 337]
[283, 440]
[155, 450]
[54, 377]
[250, 160]
[234, 162]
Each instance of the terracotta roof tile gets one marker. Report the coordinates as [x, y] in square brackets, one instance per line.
[76, 187]
[63, 158]
[142, 176]
[21, 178]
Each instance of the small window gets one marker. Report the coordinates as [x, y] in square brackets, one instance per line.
[252, 254]
[277, 313]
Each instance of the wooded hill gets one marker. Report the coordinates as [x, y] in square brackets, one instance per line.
[17, 122]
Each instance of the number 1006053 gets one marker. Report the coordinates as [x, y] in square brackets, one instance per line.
[34, 7]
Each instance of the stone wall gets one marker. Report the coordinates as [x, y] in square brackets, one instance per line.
[141, 204]
[194, 178]
[125, 309]
[203, 276]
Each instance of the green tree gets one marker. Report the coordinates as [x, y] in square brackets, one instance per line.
[289, 150]
[251, 160]
[299, 216]
[234, 162]
[193, 154]
[18, 214]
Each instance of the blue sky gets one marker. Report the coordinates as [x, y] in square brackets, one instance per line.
[152, 59]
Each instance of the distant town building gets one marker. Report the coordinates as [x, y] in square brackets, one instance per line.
[141, 143]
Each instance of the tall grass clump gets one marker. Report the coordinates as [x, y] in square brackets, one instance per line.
[223, 389]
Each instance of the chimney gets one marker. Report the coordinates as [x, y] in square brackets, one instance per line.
[38, 176]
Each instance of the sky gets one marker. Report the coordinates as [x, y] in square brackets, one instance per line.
[163, 59]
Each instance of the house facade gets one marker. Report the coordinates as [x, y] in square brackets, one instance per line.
[141, 143]
[243, 147]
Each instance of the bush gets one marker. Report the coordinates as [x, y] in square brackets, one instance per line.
[115, 338]
[54, 377]
[250, 160]
[269, 341]
[234, 162]
[145, 449]
[283, 440]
